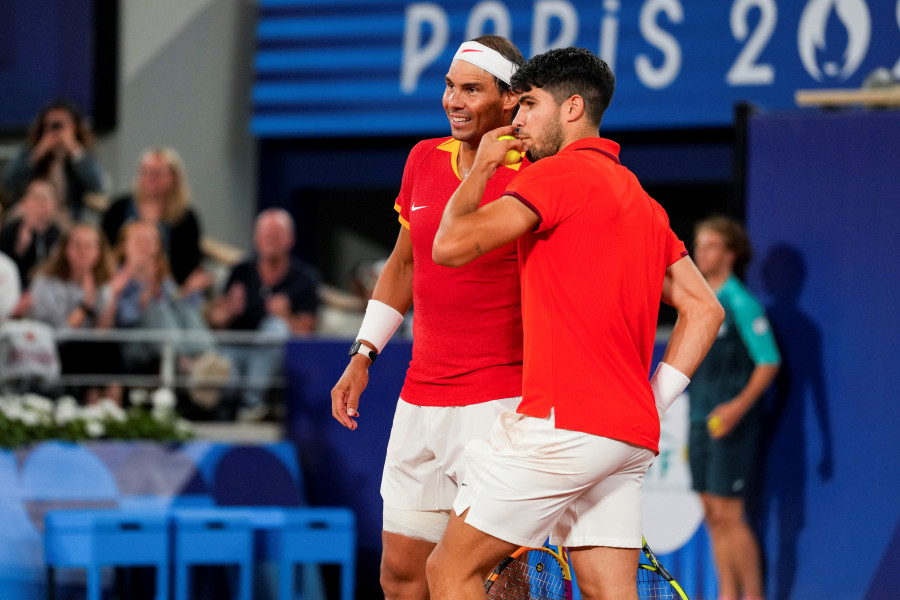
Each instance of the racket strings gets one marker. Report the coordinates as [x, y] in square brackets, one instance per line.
[534, 575]
[652, 585]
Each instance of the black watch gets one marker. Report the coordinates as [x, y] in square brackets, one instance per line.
[359, 348]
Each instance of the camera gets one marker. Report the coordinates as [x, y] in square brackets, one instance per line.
[55, 125]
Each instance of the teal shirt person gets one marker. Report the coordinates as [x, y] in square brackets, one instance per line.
[726, 415]
[745, 340]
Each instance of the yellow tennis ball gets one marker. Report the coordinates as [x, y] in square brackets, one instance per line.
[513, 156]
[714, 423]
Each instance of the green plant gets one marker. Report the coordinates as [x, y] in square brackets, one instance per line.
[31, 418]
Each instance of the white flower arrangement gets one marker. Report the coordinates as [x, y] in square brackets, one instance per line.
[31, 418]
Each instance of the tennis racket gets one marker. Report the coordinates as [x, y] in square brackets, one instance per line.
[531, 574]
[654, 582]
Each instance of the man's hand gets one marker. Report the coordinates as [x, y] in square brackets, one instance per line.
[492, 151]
[236, 300]
[346, 392]
[724, 418]
[228, 306]
[279, 305]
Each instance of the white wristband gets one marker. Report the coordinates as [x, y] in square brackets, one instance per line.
[379, 324]
[667, 384]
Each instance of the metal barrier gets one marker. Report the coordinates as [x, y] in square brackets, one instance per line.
[168, 340]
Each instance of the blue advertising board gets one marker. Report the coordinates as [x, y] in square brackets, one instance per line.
[58, 50]
[45, 53]
[376, 67]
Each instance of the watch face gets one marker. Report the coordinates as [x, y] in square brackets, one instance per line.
[358, 348]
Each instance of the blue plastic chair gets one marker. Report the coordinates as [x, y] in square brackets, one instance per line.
[213, 536]
[317, 535]
[97, 538]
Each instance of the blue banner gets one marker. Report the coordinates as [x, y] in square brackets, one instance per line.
[376, 67]
[46, 52]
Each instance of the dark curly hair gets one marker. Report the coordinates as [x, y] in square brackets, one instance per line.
[565, 72]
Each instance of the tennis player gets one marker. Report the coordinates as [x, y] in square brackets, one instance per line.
[596, 255]
[467, 333]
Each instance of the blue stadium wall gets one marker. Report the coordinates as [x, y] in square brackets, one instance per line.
[821, 210]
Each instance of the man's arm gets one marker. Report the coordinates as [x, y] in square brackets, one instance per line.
[756, 334]
[394, 285]
[699, 316]
[467, 231]
[393, 288]
[731, 412]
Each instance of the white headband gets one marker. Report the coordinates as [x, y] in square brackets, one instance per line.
[488, 59]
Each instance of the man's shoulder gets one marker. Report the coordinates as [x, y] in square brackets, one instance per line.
[429, 145]
[738, 296]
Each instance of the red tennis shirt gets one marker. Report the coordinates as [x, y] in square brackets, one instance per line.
[467, 325]
[592, 275]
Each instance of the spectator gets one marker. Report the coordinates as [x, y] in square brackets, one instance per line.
[59, 148]
[272, 293]
[162, 195]
[150, 299]
[726, 418]
[28, 237]
[10, 288]
[74, 289]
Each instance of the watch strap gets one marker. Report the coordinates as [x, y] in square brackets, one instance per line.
[360, 348]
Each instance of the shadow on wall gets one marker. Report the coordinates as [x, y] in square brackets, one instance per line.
[801, 381]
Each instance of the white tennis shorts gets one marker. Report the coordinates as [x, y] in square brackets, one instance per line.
[424, 463]
[528, 480]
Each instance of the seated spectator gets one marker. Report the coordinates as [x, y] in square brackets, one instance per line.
[74, 289]
[273, 293]
[58, 148]
[162, 195]
[10, 287]
[28, 237]
[150, 300]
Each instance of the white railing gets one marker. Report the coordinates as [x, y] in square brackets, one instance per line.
[168, 341]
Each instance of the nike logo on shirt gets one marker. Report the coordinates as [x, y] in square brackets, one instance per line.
[415, 208]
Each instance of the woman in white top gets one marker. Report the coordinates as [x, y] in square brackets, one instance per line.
[75, 289]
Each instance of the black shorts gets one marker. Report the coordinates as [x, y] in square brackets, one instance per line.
[723, 467]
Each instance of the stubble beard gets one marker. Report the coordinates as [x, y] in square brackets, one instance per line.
[549, 144]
